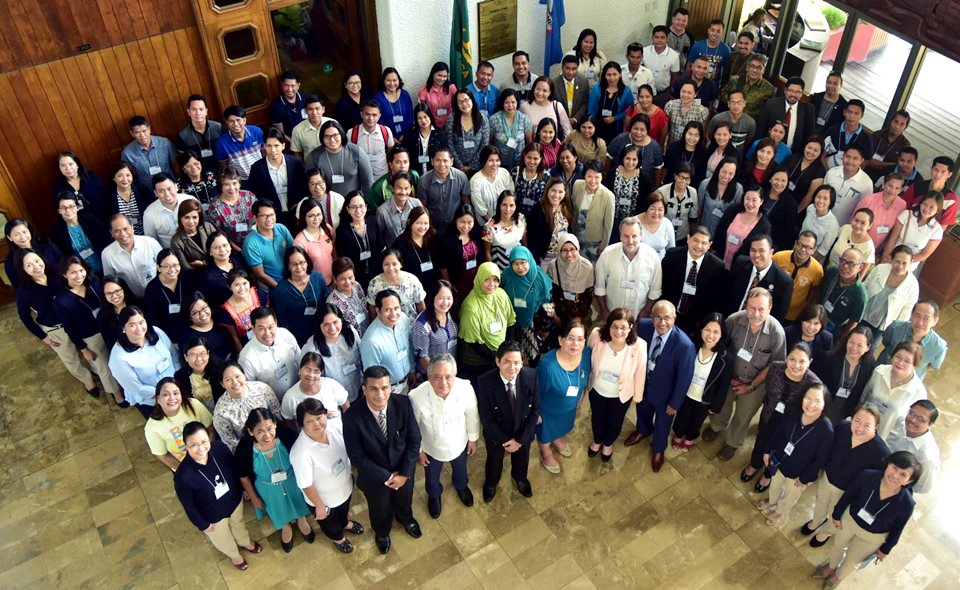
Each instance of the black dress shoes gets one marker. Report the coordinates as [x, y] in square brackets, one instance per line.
[413, 529]
[434, 507]
[488, 494]
[523, 486]
[466, 496]
[383, 544]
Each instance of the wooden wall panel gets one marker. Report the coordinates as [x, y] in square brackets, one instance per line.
[82, 103]
[39, 32]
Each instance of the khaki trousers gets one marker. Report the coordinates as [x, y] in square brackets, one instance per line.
[737, 413]
[230, 533]
[827, 497]
[856, 543]
[96, 344]
[784, 493]
[68, 353]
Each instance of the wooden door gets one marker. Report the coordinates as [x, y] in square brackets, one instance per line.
[239, 42]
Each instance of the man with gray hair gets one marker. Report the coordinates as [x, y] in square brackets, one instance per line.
[446, 411]
[628, 273]
[759, 340]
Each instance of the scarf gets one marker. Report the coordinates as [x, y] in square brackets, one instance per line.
[484, 317]
[533, 288]
[575, 277]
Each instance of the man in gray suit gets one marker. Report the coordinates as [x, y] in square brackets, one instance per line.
[575, 99]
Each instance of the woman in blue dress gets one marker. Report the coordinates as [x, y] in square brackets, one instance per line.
[563, 374]
[262, 462]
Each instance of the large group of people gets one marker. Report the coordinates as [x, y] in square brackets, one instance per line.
[327, 296]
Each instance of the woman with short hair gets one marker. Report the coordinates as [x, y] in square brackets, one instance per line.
[141, 357]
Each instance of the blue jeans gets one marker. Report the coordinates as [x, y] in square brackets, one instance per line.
[432, 474]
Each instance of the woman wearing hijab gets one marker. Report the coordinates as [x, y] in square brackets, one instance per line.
[528, 288]
[484, 318]
[572, 277]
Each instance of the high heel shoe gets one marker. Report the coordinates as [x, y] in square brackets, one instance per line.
[761, 488]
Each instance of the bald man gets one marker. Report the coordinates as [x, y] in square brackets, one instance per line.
[844, 294]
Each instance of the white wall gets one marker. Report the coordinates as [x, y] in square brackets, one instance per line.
[414, 34]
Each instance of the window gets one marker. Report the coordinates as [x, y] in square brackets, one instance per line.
[252, 92]
[240, 44]
[934, 128]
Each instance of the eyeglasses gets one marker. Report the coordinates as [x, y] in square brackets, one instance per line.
[662, 319]
[113, 293]
[299, 264]
[575, 339]
[800, 246]
[192, 356]
[917, 417]
[267, 216]
[355, 207]
[174, 266]
[354, 83]
[331, 136]
[735, 102]
[845, 262]
[200, 311]
[68, 208]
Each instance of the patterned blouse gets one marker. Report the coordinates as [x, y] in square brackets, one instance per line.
[230, 413]
[502, 132]
[504, 239]
[626, 197]
[429, 343]
[529, 192]
[234, 220]
[679, 119]
[410, 290]
[467, 145]
[206, 190]
[353, 308]
[560, 226]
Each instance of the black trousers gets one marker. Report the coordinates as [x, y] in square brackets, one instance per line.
[493, 469]
[333, 525]
[689, 419]
[765, 432]
[606, 417]
[386, 504]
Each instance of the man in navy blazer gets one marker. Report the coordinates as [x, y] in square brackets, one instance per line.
[509, 422]
[260, 182]
[670, 358]
[768, 275]
[385, 455]
[695, 299]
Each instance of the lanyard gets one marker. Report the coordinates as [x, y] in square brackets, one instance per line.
[312, 292]
[179, 292]
[755, 342]
[846, 382]
[579, 377]
[202, 137]
[867, 503]
[218, 469]
[792, 432]
[327, 154]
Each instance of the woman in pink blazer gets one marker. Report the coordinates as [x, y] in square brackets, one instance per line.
[619, 369]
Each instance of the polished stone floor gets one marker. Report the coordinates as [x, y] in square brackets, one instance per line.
[83, 503]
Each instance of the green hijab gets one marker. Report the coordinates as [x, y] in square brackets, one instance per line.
[533, 288]
[484, 317]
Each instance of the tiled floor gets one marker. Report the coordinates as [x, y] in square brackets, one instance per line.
[83, 503]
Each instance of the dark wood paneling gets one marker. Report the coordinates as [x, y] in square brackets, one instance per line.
[930, 22]
[82, 103]
[38, 32]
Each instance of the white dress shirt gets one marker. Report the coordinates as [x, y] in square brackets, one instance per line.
[137, 267]
[326, 467]
[926, 450]
[274, 365]
[446, 425]
[160, 223]
[332, 395]
[753, 273]
[628, 283]
[278, 176]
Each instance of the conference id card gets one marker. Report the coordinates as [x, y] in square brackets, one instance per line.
[865, 516]
[425, 266]
[278, 477]
[843, 392]
[206, 153]
[745, 355]
[788, 449]
[310, 310]
[512, 142]
[173, 308]
[780, 408]
[573, 391]
[220, 490]
[337, 178]
[689, 289]
[520, 302]
[495, 327]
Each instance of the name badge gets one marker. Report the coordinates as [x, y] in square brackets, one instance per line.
[241, 227]
[733, 240]
[827, 305]
[512, 142]
[701, 381]
[280, 372]
[788, 450]
[591, 74]
[495, 327]
[96, 313]
[206, 153]
[821, 121]
[689, 289]
[745, 354]
[365, 255]
[520, 302]
[610, 377]
[625, 201]
[337, 178]
[471, 264]
[80, 208]
[883, 229]
[423, 159]
[403, 355]
[350, 369]
[163, 364]
[567, 295]
[451, 344]
[717, 212]
[606, 113]
[220, 490]
[173, 308]
[780, 407]
[865, 516]
[303, 114]
[155, 170]
[339, 467]
[309, 310]
[86, 253]
[398, 118]
[425, 266]
[843, 392]
[442, 112]
[651, 365]
[625, 284]
[278, 477]
[573, 391]
[828, 146]
[469, 144]
[792, 185]
[528, 202]
[878, 157]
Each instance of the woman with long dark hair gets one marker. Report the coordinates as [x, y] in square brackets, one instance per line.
[316, 238]
[173, 408]
[460, 253]
[609, 101]
[468, 132]
[339, 344]
[506, 229]
[416, 246]
[719, 192]
[590, 57]
[435, 329]
[359, 237]
[437, 93]
[348, 295]
[424, 139]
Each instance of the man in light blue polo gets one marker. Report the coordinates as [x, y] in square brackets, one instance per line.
[483, 89]
[919, 329]
[387, 342]
[147, 153]
[264, 247]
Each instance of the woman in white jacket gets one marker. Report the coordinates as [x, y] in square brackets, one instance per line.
[892, 291]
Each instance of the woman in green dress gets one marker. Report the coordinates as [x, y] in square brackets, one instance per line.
[263, 465]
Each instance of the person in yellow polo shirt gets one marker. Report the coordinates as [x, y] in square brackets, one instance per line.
[803, 268]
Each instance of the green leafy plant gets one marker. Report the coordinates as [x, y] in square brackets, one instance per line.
[836, 18]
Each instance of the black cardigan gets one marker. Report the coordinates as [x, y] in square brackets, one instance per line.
[94, 229]
[718, 381]
[720, 237]
[829, 367]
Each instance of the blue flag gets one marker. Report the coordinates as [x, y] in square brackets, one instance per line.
[553, 51]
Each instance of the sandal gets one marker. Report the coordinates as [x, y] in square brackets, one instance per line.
[676, 443]
[773, 518]
[356, 529]
[242, 566]
[257, 548]
[344, 547]
[831, 582]
[688, 446]
[763, 505]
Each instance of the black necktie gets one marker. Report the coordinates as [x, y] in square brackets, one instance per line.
[684, 306]
[512, 394]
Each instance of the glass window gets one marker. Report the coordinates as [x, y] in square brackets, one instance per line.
[240, 43]
[305, 45]
[252, 92]
[934, 128]
[227, 4]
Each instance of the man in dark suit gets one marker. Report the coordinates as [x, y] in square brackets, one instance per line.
[670, 359]
[383, 442]
[508, 399]
[802, 121]
[692, 278]
[577, 106]
[759, 271]
[286, 167]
